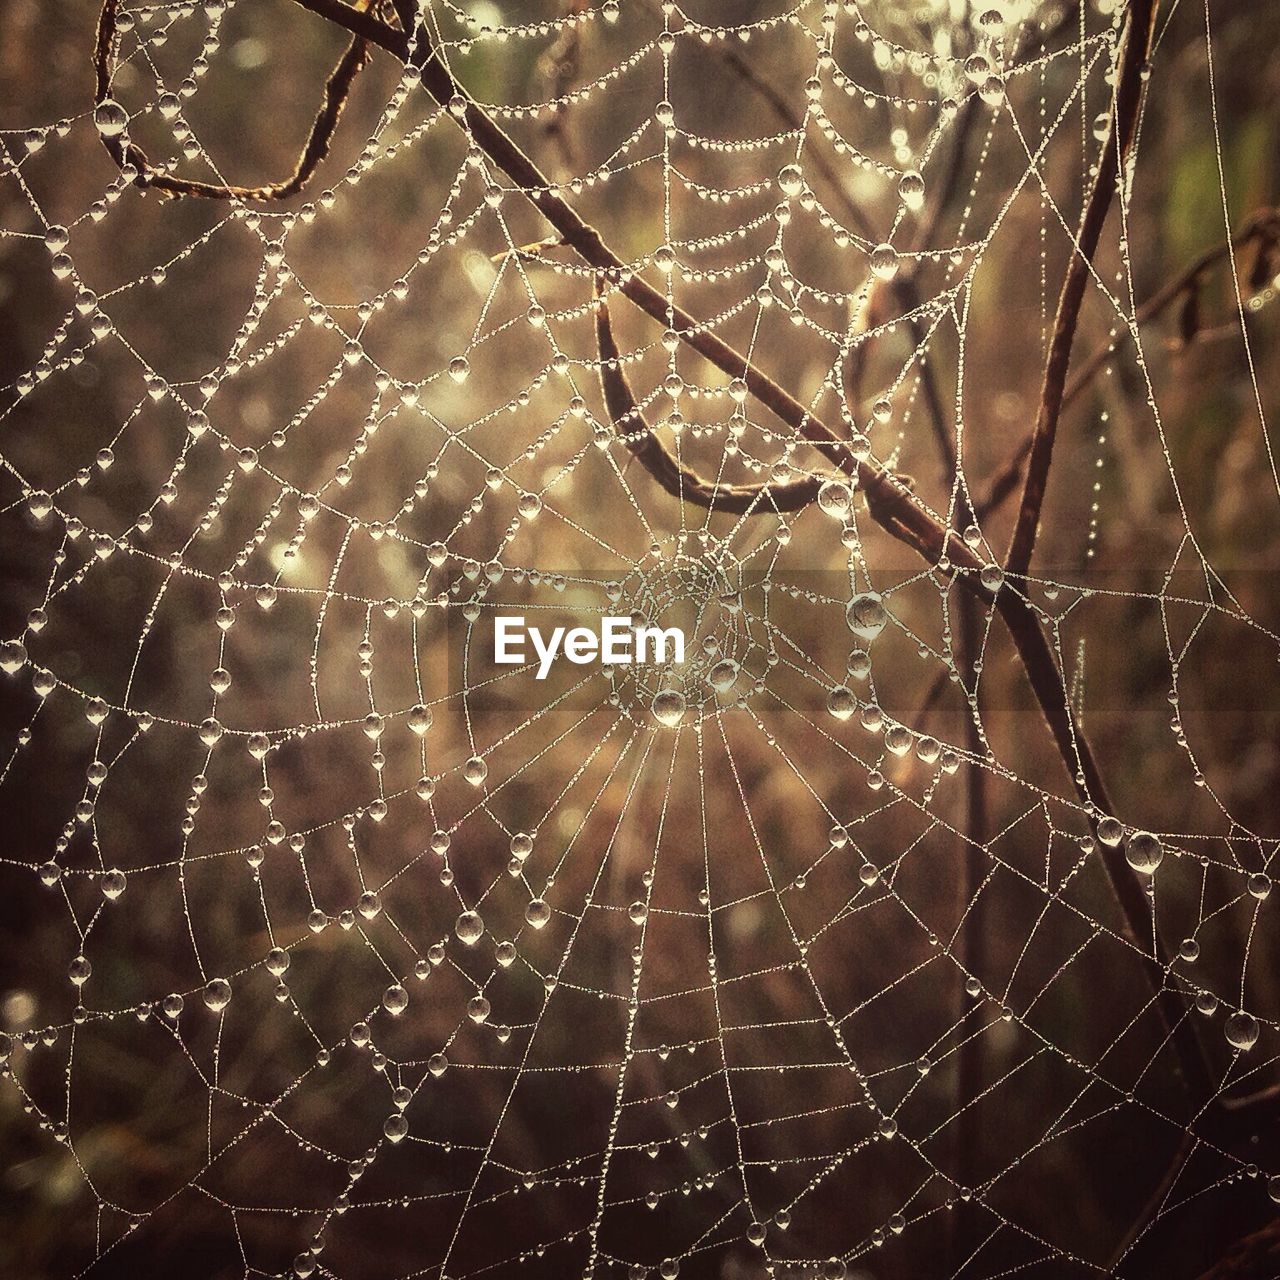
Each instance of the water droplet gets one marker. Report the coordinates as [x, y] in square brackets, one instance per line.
[866, 616]
[668, 707]
[537, 913]
[911, 189]
[13, 656]
[638, 913]
[859, 664]
[217, 994]
[475, 771]
[1144, 852]
[1110, 832]
[834, 499]
[791, 180]
[723, 675]
[841, 702]
[110, 118]
[1241, 1030]
[469, 928]
[884, 261]
[395, 1127]
[459, 368]
[112, 884]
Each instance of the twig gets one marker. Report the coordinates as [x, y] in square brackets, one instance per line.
[1256, 1257]
[127, 153]
[1138, 33]
[1263, 226]
[680, 481]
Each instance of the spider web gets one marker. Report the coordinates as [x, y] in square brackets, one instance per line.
[344, 950]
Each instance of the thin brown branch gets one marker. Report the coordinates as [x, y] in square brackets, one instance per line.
[679, 480]
[127, 153]
[1256, 1257]
[1262, 227]
[1136, 44]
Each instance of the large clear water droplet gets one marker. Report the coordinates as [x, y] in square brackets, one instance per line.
[834, 498]
[668, 707]
[1241, 1030]
[13, 655]
[217, 994]
[866, 615]
[110, 118]
[723, 675]
[841, 702]
[469, 928]
[1144, 852]
[884, 262]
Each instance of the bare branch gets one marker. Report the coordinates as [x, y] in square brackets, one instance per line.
[1262, 227]
[1139, 30]
[680, 481]
[126, 153]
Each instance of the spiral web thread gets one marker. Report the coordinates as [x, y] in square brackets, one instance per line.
[636, 973]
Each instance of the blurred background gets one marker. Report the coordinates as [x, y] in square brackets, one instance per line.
[330, 948]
